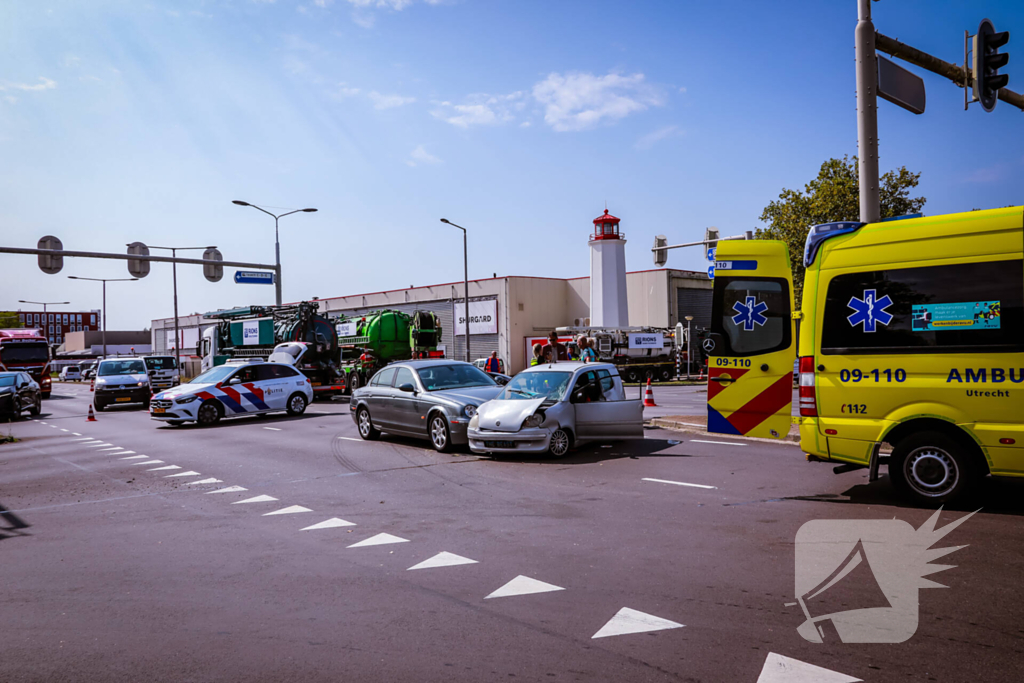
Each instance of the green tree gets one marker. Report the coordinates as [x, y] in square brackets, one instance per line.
[833, 196]
[9, 320]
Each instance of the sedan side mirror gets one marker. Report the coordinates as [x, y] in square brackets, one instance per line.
[234, 380]
[408, 388]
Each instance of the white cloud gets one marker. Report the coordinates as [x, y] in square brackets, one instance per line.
[525, 124]
[46, 84]
[345, 91]
[388, 101]
[654, 137]
[421, 156]
[397, 5]
[578, 101]
[481, 110]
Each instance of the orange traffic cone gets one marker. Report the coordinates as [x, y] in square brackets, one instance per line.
[92, 416]
[649, 396]
[700, 377]
[92, 385]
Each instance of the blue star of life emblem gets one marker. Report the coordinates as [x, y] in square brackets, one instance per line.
[869, 310]
[750, 313]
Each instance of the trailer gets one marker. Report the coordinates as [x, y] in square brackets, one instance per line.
[640, 353]
[371, 341]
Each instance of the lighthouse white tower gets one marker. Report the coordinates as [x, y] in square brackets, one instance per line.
[608, 305]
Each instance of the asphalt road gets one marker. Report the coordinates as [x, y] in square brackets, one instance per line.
[116, 570]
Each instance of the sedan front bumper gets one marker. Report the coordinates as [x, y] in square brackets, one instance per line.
[536, 440]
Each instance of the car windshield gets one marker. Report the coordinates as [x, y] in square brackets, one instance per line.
[526, 385]
[24, 352]
[121, 367]
[440, 377]
[6, 380]
[214, 375]
[160, 363]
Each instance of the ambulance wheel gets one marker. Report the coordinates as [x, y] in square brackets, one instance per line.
[440, 434]
[930, 468]
[366, 428]
[296, 404]
[209, 414]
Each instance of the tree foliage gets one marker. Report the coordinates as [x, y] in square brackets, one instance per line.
[833, 196]
[9, 320]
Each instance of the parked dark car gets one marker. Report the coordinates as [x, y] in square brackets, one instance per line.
[426, 399]
[19, 392]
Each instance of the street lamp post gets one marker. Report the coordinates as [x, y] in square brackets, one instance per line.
[174, 271]
[277, 242]
[465, 279]
[104, 281]
[44, 304]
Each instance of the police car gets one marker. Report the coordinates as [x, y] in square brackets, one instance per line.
[239, 387]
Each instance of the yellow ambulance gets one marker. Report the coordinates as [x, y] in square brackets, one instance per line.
[911, 333]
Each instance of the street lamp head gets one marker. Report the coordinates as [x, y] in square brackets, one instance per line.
[239, 202]
[310, 210]
[444, 220]
[73, 277]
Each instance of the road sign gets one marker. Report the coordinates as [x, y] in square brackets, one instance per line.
[253, 277]
[50, 264]
[660, 255]
[213, 271]
[899, 86]
[138, 268]
[711, 272]
[710, 253]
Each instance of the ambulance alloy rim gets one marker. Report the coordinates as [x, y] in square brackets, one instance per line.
[931, 471]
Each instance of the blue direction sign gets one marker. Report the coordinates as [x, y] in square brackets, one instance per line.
[253, 277]
[710, 253]
[711, 272]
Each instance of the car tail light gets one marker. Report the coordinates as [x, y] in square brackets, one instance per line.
[808, 401]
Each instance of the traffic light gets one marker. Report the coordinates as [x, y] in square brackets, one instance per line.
[987, 62]
[660, 253]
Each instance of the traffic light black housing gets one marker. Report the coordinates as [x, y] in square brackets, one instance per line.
[987, 62]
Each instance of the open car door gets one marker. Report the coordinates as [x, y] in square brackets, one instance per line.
[753, 342]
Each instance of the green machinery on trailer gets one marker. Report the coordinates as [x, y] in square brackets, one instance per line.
[371, 341]
[255, 331]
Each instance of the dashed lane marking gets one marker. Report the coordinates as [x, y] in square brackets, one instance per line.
[64, 430]
[680, 483]
[76, 434]
[257, 499]
[273, 429]
[379, 539]
[211, 480]
[135, 457]
[290, 510]
[229, 489]
[347, 438]
[779, 669]
[629, 620]
[328, 524]
[442, 559]
[523, 585]
[190, 473]
[722, 443]
[165, 467]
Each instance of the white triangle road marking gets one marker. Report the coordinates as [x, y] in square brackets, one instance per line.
[628, 620]
[122, 452]
[190, 473]
[135, 457]
[290, 510]
[523, 585]
[379, 539]
[95, 445]
[76, 434]
[211, 480]
[779, 669]
[112, 448]
[257, 499]
[148, 462]
[442, 559]
[229, 489]
[84, 438]
[328, 524]
[165, 467]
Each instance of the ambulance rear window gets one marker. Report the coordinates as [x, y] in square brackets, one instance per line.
[956, 308]
[751, 314]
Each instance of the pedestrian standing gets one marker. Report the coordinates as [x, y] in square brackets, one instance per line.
[558, 351]
[538, 355]
[588, 355]
[493, 364]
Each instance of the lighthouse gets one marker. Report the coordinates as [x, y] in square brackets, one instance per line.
[608, 305]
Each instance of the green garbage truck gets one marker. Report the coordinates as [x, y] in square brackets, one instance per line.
[371, 341]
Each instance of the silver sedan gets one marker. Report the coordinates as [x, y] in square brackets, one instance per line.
[426, 399]
[549, 408]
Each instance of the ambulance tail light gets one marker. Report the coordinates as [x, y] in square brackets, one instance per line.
[808, 401]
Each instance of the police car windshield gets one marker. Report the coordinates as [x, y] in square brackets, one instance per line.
[214, 375]
[441, 377]
[526, 385]
[121, 367]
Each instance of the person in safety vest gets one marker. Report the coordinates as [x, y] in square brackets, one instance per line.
[493, 364]
[538, 357]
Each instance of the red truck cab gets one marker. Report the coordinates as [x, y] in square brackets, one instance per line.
[27, 350]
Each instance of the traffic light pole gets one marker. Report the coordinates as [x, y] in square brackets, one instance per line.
[867, 114]
[133, 257]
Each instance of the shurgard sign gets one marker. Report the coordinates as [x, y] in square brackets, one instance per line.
[483, 317]
[973, 315]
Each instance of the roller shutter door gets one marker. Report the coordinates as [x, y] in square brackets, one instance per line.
[695, 302]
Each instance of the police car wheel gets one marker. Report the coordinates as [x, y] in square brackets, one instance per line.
[366, 428]
[930, 467]
[208, 414]
[296, 404]
[440, 435]
[560, 443]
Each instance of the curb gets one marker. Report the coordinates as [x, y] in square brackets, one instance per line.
[689, 428]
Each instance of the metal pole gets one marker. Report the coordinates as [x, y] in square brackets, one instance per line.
[867, 113]
[104, 318]
[465, 282]
[277, 256]
[131, 257]
[177, 337]
[689, 350]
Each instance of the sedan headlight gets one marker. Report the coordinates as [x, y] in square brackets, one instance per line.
[535, 420]
[469, 410]
[186, 399]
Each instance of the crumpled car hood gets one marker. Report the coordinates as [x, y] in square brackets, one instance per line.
[509, 413]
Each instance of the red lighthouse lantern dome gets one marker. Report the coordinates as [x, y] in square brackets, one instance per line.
[606, 227]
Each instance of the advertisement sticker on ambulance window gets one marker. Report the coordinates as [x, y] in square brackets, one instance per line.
[869, 310]
[971, 315]
[749, 314]
[735, 265]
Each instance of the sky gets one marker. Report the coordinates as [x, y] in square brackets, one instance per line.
[124, 121]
